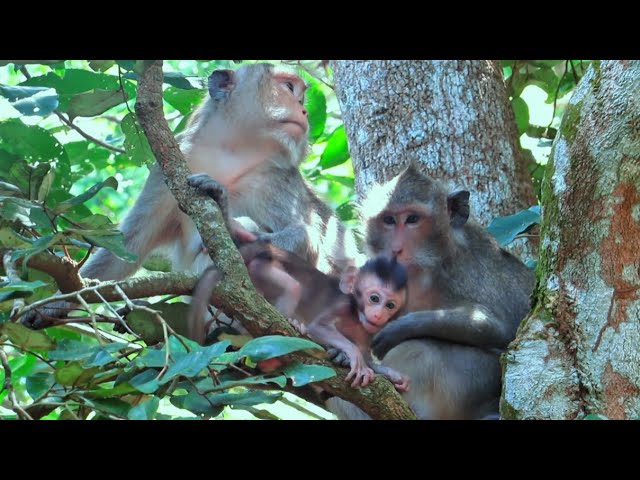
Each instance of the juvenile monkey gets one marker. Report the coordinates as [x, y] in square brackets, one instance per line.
[339, 312]
[250, 134]
[466, 298]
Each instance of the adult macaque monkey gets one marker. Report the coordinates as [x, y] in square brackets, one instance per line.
[250, 134]
[340, 312]
[466, 299]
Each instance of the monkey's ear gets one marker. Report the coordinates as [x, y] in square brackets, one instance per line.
[221, 82]
[348, 280]
[458, 206]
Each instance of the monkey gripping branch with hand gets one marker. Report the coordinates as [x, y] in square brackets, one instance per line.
[235, 294]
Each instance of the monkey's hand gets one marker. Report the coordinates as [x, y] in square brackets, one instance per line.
[360, 373]
[338, 357]
[47, 315]
[393, 334]
[298, 325]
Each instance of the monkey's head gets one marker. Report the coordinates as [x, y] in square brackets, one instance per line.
[259, 99]
[380, 290]
[413, 218]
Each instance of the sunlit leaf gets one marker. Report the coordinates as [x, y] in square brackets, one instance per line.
[25, 337]
[183, 100]
[31, 100]
[302, 374]
[521, 111]
[337, 150]
[263, 348]
[316, 106]
[74, 374]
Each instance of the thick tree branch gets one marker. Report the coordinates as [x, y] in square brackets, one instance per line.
[236, 294]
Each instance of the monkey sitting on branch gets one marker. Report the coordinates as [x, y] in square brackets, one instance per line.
[250, 133]
[342, 313]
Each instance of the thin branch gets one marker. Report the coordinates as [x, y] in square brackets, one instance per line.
[12, 275]
[8, 386]
[555, 98]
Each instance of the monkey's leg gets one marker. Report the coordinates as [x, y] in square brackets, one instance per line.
[345, 410]
[201, 297]
[472, 325]
[264, 271]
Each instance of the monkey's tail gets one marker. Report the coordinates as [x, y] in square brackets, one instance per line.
[200, 299]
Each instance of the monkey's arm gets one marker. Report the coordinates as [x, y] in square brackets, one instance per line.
[153, 221]
[470, 324]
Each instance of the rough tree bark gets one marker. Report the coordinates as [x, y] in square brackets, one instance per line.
[451, 116]
[577, 354]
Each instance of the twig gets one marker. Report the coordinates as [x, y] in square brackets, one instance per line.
[8, 386]
[555, 98]
[12, 275]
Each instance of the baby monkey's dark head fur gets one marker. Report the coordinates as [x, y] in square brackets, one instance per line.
[388, 270]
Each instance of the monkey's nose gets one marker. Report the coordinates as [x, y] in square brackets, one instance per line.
[304, 112]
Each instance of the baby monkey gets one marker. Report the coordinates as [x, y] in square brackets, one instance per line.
[343, 313]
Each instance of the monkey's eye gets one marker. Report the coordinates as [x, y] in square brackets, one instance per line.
[289, 85]
[390, 305]
[413, 218]
[374, 298]
[389, 220]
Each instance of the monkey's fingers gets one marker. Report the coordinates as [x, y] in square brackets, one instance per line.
[364, 377]
[403, 385]
[338, 357]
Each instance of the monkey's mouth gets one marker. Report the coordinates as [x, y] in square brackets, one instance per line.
[293, 126]
[369, 326]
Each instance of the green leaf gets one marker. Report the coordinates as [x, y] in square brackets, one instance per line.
[146, 381]
[316, 105]
[270, 346]
[197, 404]
[39, 383]
[546, 79]
[45, 185]
[145, 324]
[29, 141]
[113, 406]
[183, 100]
[19, 289]
[193, 362]
[72, 350]
[302, 374]
[595, 416]
[66, 205]
[116, 391]
[145, 410]
[135, 143]
[73, 82]
[94, 103]
[26, 338]
[114, 243]
[244, 399]
[505, 229]
[337, 150]
[347, 211]
[37, 246]
[101, 65]
[31, 100]
[521, 111]
[73, 374]
[29, 62]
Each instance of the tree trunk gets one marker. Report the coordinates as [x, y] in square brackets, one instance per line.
[451, 116]
[577, 354]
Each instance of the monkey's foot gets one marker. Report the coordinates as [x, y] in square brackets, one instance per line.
[338, 357]
[298, 325]
[47, 316]
[362, 376]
